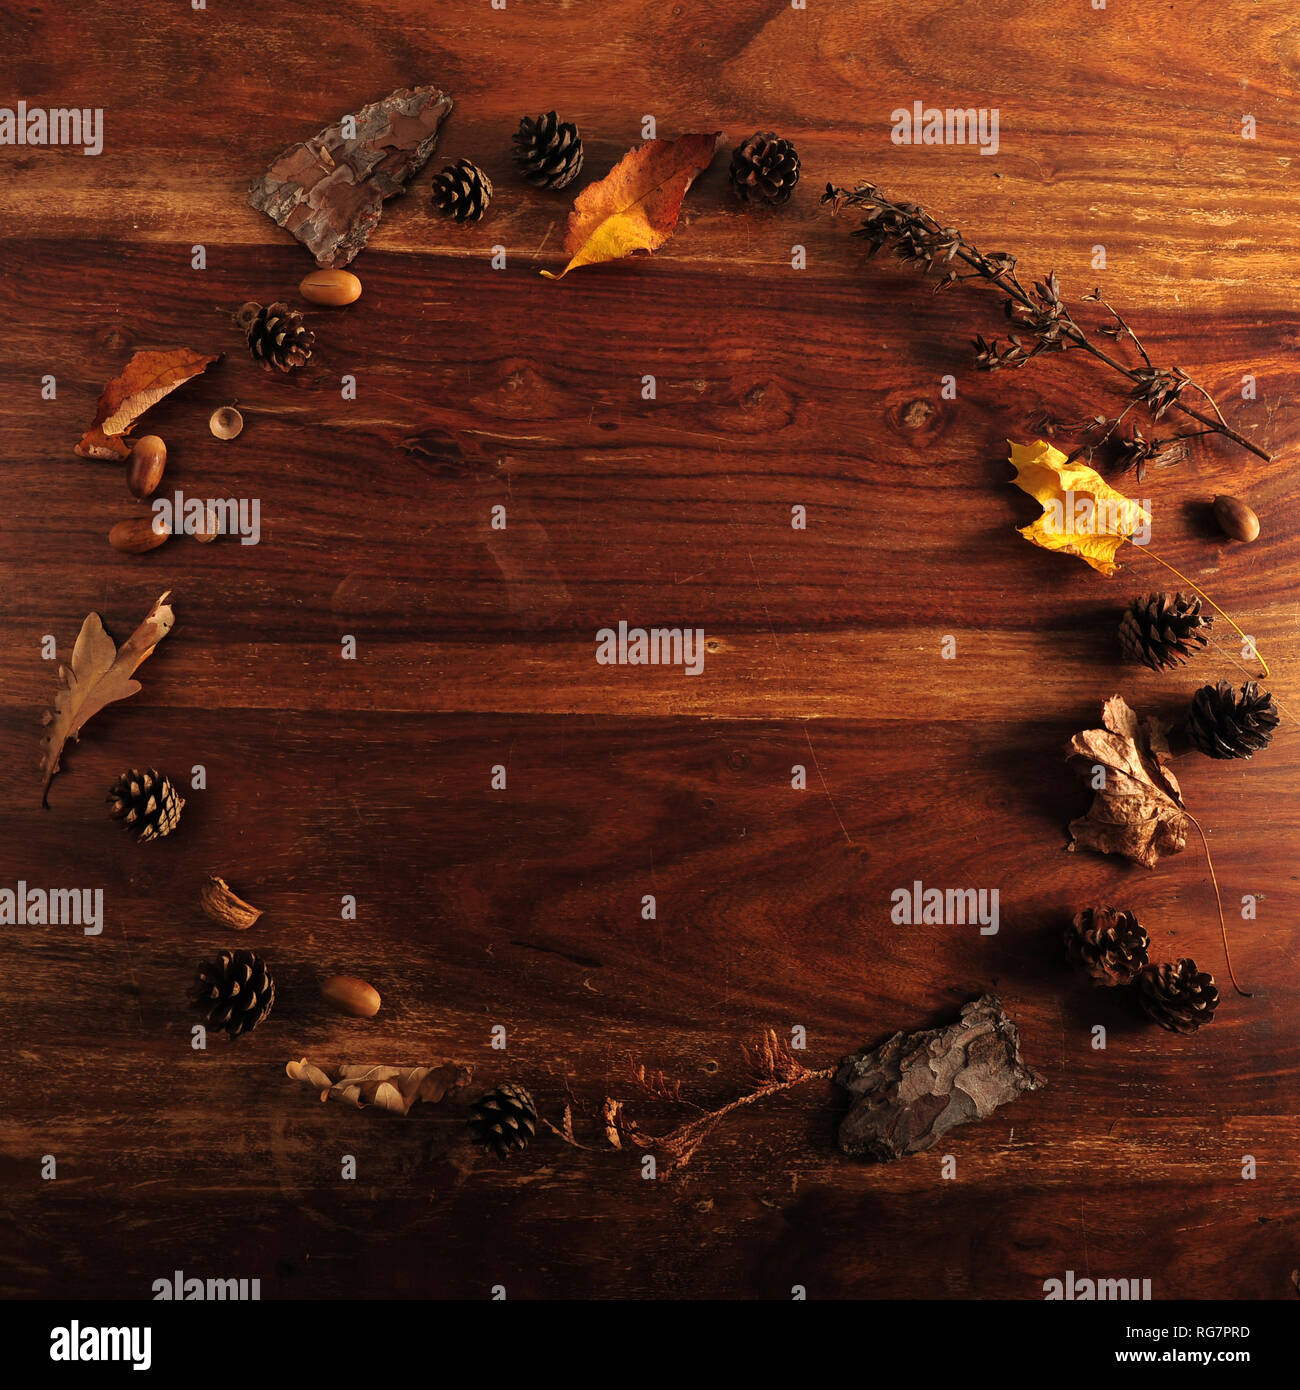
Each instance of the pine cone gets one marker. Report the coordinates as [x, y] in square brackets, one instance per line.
[764, 169]
[548, 151]
[1224, 724]
[1163, 630]
[147, 802]
[234, 992]
[276, 335]
[1108, 945]
[462, 191]
[1178, 996]
[504, 1119]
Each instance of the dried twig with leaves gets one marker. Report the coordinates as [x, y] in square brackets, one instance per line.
[1038, 314]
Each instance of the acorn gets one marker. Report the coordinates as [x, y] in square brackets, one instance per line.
[1235, 518]
[145, 464]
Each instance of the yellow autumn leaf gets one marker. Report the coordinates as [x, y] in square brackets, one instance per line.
[1082, 514]
[636, 205]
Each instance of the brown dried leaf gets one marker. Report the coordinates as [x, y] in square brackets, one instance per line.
[395, 1089]
[100, 675]
[144, 381]
[636, 205]
[1139, 811]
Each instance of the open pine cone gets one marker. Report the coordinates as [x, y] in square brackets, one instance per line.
[505, 1119]
[235, 991]
[462, 191]
[548, 151]
[1163, 630]
[1178, 996]
[276, 335]
[1107, 944]
[146, 802]
[1225, 724]
[764, 169]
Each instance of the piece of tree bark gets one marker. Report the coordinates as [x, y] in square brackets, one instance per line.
[329, 191]
[908, 1092]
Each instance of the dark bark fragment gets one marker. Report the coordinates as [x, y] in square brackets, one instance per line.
[911, 1090]
[329, 191]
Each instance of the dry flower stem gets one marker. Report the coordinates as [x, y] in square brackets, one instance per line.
[917, 236]
[775, 1068]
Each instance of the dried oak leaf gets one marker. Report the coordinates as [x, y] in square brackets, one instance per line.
[1082, 514]
[144, 381]
[395, 1089]
[1138, 810]
[100, 675]
[636, 205]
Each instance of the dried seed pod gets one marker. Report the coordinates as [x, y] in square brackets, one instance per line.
[145, 464]
[222, 904]
[138, 534]
[225, 422]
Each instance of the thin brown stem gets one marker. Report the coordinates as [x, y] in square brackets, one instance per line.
[1223, 926]
[918, 237]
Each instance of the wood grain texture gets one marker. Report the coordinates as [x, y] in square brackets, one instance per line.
[775, 388]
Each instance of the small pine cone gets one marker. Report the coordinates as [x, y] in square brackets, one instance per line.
[1225, 724]
[1108, 945]
[764, 169]
[147, 802]
[276, 336]
[1178, 996]
[504, 1119]
[548, 151]
[235, 991]
[1163, 630]
[462, 191]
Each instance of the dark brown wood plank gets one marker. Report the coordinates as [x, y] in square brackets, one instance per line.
[774, 388]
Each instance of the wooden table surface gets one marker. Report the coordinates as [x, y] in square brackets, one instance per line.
[522, 907]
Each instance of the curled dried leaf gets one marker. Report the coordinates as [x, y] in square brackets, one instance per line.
[1137, 808]
[395, 1089]
[144, 381]
[636, 205]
